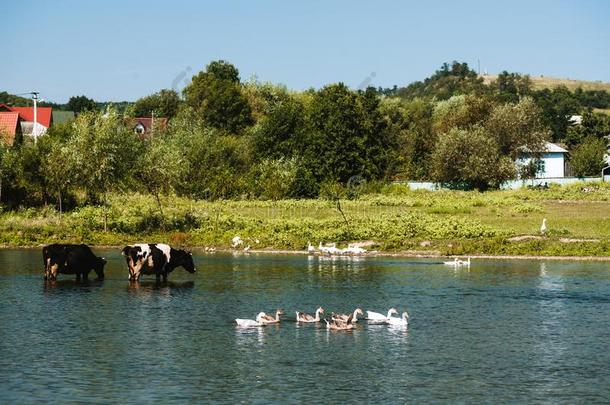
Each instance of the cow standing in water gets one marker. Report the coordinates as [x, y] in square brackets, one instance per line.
[71, 259]
[158, 259]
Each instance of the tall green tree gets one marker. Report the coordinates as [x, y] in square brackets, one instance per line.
[216, 95]
[334, 148]
[588, 158]
[80, 104]
[164, 103]
[471, 158]
[102, 153]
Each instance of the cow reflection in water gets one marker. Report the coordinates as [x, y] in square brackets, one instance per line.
[158, 259]
[153, 285]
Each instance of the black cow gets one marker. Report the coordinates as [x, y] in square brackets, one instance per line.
[71, 259]
[157, 258]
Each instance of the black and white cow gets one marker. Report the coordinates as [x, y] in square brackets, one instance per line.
[71, 259]
[157, 258]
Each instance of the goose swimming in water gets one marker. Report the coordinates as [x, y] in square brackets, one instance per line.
[268, 319]
[336, 324]
[303, 317]
[402, 321]
[377, 317]
[250, 323]
[345, 317]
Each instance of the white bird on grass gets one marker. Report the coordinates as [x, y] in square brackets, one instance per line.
[543, 228]
[310, 249]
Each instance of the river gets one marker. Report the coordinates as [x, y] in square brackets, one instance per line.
[501, 331]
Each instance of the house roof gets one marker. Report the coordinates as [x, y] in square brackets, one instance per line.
[554, 148]
[27, 114]
[548, 148]
[8, 125]
[160, 124]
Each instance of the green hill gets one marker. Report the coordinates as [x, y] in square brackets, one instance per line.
[541, 82]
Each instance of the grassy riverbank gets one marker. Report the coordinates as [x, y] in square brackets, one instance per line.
[445, 222]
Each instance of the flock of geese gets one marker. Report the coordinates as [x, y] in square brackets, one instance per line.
[336, 322]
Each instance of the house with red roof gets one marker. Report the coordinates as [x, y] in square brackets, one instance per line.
[26, 118]
[10, 127]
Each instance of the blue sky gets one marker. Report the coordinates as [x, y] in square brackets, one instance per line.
[123, 50]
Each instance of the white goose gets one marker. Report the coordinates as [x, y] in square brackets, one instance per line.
[454, 262]
[250, 323]
[268, 319]
[310, 249]
[402, 321]
[345, 317]
[465, 263]
[377, 317]
[543, 228]
[303, 317]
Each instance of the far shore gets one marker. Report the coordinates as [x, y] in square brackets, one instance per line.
[398, 254]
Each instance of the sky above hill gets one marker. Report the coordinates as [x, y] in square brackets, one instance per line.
[123, 50]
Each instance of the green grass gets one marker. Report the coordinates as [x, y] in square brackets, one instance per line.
[451, 222]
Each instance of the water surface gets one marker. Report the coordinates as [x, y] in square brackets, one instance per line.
[503, 331]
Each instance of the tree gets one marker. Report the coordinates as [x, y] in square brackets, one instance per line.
[215, 94]
[102, 153]
[164, 103]
[516, 126]
[448, 81]
[56, 169]
[160, 167]
[80, 104]
[334, 147]
[510, 87]
[557, 106]
[278, 133]
[593, 124]
[215, 164]
[470, 158]
[588, 157]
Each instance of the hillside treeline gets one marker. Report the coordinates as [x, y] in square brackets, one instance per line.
[227, 138]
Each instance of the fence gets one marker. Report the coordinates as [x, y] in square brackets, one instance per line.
[513, 184]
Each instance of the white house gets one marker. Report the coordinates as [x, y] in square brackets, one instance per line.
[550, 163]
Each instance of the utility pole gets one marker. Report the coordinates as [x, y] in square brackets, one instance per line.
[35, 127]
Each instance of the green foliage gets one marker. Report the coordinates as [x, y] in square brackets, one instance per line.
[510, 87]
[101, 152]
[80, 104]
[448, 81]
[593, 125]
[517, 126]
[164, 103]
[588, 157]
[216, 95]
[471, 157]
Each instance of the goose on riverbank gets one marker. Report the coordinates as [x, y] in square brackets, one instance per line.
[543, 228]
[345, 317]
[268, 319]
[303, 317]
[310, 249]
[377, 317]
[251, 323]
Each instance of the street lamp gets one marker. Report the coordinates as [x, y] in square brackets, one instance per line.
[35, 128]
